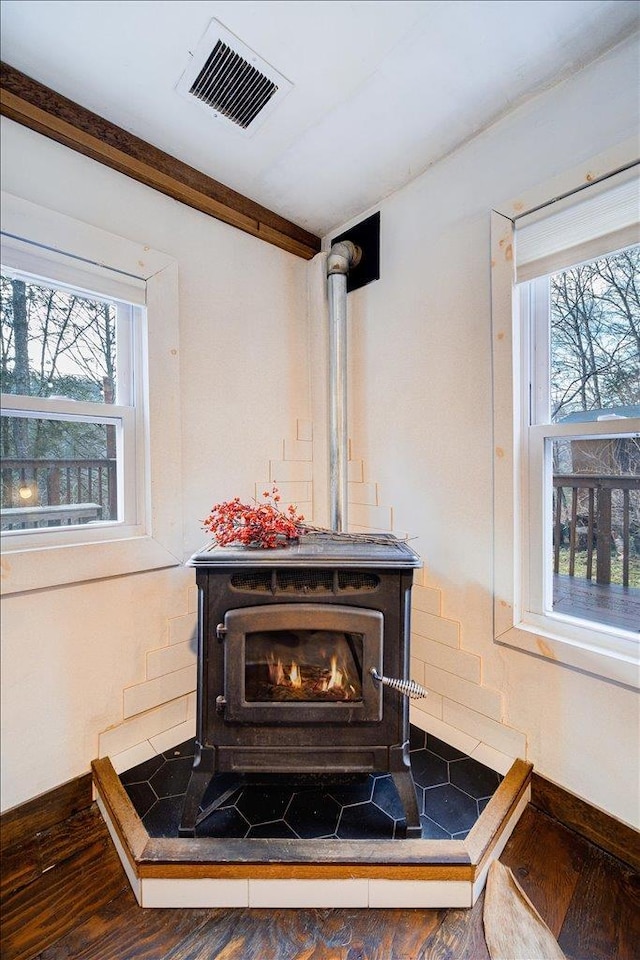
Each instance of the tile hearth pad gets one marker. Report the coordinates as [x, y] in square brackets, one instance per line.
[452, 789]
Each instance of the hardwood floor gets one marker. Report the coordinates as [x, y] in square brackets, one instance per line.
[65, 897]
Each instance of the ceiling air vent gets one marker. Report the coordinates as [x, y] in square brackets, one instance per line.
[231, 81]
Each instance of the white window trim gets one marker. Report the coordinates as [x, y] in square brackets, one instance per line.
[157, 542]
[607, 653]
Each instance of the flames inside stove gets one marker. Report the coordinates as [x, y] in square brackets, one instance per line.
[303, 665]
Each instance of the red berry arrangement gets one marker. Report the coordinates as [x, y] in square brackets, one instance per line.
[261, 525]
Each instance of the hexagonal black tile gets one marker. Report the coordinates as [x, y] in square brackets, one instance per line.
[357, 806]
[222, 783]
[386, 797]
[261, 805]
[428, 769]
[277, 829]
[172, 778]
[473, 777]
[443, 749]
[313, 815]
[227, 822]
[163, 818]
[143, 771]
[365, 821]
[141, 796]
[358, 791]
[452, 809]
[432, 830]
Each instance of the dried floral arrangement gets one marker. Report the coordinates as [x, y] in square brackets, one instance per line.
[262, 524]
[265, 525]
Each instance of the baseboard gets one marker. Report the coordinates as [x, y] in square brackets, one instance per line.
[600, 828]
[43, 812]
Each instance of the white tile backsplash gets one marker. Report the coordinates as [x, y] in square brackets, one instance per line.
[153, 693]
[137, 729]
[436, 628]
[169, 659]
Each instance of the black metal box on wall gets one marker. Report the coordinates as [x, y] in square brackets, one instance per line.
[365, 235]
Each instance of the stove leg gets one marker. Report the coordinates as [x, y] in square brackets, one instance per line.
[407, 792]
[197, 785]
[203, 770]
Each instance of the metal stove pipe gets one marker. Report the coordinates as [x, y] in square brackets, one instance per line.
[342, 257]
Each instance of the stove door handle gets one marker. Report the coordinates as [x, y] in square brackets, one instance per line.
[409, 688]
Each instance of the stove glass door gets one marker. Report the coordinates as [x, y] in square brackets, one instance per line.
[302, 662]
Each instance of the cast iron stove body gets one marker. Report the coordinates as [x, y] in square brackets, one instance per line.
[287, 642]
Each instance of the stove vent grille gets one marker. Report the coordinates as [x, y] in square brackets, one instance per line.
[231, 81]
[305, 582]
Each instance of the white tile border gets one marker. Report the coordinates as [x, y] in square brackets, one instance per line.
[443, 731]
[388, 894]
[201, 892]
[472, 747]
[133, 756]
[158, 743]
[133, 879]
[308, 893]
[492, 758]
[174, 737]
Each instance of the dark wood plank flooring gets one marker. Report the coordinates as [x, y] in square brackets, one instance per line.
[65, 897]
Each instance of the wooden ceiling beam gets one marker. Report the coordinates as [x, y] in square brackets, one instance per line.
[41, 109]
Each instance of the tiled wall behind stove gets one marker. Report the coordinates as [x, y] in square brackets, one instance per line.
[159, 712]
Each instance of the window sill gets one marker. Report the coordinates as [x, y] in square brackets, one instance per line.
[609, 655]
[39, 568]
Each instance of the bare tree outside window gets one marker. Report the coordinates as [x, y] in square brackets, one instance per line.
[595, 376]
[595, 335]
[56, 343]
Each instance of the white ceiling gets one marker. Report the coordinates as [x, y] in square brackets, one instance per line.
[381, 89]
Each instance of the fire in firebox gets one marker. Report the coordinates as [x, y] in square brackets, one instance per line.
[303, 665]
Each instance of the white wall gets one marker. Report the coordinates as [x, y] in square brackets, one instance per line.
[68, 654]
[421, 420]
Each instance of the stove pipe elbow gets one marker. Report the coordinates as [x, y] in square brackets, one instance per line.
[342, 256]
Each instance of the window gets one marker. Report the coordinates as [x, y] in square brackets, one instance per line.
[582, 375]
[110, 407]
[566, 344]
[70, 365]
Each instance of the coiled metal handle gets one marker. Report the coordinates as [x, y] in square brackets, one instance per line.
[409, 688]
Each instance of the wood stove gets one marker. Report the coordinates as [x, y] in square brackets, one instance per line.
[295, 648]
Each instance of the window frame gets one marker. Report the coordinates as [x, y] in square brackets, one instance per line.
[597, 649]
[154, 540]
[127, 415]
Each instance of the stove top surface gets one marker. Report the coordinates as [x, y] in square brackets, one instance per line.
[315, 549]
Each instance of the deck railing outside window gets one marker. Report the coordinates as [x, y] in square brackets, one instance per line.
[57, 492]
[597, 519]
